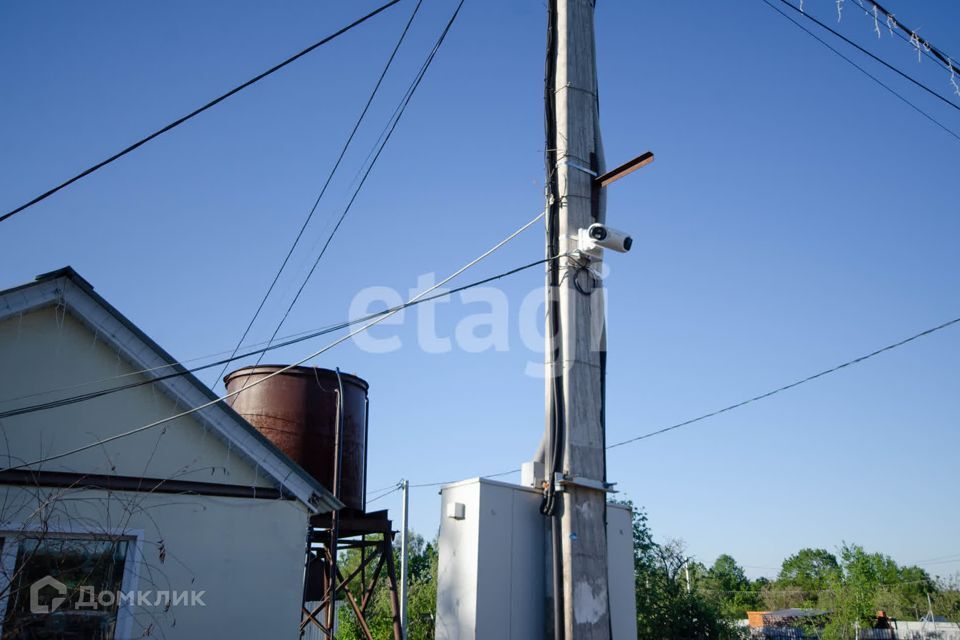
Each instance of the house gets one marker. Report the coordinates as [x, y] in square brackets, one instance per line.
[112, 528]
[803, 624]
[786, 624]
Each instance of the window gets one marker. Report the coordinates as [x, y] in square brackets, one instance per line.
[63, 586]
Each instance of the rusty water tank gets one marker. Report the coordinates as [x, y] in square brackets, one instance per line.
[297, 411]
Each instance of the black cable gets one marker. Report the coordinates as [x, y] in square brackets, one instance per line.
[594, 281]
[398, 113]
[792, 385]
[938, 53]
[323, 190]
[383, 495]
[553, 452]
[554, 449]
[875, 57]
[859, 68]
[898, 34]
[198, 111]
[439, 484]
[181, 371]
[788, 386]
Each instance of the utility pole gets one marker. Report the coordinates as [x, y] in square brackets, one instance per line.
[574, 452]
[931, 616]
[405, 485]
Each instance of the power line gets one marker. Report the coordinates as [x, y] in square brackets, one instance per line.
[861, 69]
[383, 495]
[323, 190]
[289, 340]
[342, 339]
[953, 557]
[398, 113]
[167, 365]
[937, 562]
[438, 484]
[198, 111]
[392, 486]
[902, 74]
[700, 587]
[743, 403]
[788, 386]
[923, 42]
[309, 336]
[900, 35]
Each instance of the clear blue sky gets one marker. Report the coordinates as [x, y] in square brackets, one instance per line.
[797, 216]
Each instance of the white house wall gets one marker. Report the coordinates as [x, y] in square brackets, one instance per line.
[45, 349]
[246, 556]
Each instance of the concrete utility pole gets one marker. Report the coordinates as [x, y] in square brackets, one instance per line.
[404, 556]
[575, 457]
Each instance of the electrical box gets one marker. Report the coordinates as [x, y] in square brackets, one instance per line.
[532, 474]
[457, 510]
[492, 579]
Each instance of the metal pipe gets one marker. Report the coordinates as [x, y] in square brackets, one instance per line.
[404, 553]
[366, 448]
[557, 579]
[335, 516]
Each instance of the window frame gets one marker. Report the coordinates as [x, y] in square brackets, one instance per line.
[13, 534]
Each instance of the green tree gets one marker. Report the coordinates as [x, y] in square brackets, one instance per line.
[727, 585]
[946, 601]
[666, 610]
[868, 582]
[806, 574]
[421, 599]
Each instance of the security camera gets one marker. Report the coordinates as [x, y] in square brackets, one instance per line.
[599, 236]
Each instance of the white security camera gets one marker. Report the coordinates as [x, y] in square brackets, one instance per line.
[599, 236]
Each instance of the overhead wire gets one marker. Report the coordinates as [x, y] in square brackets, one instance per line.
[926, 45]
[282, 370]
[384, 132]
[438, 484]
[895, 583]
[938, 562]
[196, 112]
[308, 336]
[392, 486]
[877, 58]
[405, 101]
[867, 52]
[166, 365]
[860, 68]
[902, 37]
[787, 387]
[953, 557]
[762, 396]
[326, 184]
[383, 495]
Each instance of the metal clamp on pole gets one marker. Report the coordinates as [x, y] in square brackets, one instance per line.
[561, 480]
[579, 167]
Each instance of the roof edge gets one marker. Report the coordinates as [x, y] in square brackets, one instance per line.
[319, 498]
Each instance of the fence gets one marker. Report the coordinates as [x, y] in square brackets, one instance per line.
[904, 631]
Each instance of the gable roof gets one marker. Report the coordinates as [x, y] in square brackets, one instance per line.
[66, 287]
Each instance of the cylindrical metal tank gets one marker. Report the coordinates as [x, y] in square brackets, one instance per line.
[297, 411]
